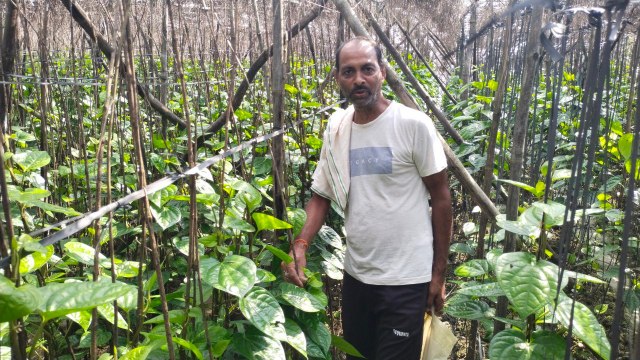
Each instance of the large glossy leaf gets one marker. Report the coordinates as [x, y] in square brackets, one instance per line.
[210, 270]
[268, 222]
[317, 333]
[554, 212]
[511, 344]
[188, 345]
[61, 299]
[473, 268]
[295, 336]
[34, 261]
[518, 227]
[529, 284]
[467, 308]
[488, 289]
[233, 222]
[254, 345]
[330, 236]
[235, 274]
[31, 160]
[16, 302]
[585, 325]
[85, 254]
[300, 298]
[27, 195]
[248, 194]
[264, 312]
[625, 145]
[167, 216]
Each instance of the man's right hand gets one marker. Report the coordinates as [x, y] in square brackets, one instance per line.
[293, 272]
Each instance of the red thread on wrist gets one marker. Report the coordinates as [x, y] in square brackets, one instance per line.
[302, 241]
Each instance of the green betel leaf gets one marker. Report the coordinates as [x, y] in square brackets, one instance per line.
[82, 318]
[188, 345]
[16, 302]
[255, 345]
[585, 325]
[472, 268]
[264, 312]
[625, 145]
[53, 208]
[522, 186]
[34, 261]
[511, 344]
[300, 298]
[236, 275]
[344, 346]
[528, 284]
[268, 222]
[295, 336]
[61, 299]
[518, 227]
[318, 337]
[27, 195]
[247, 194]
[553, 211]
[232, 222]
[167, 216]
[467, 308]
[31, 160]
[330, 236]
[85, 254]
[488, 289]
[106, 311]
[210, 270]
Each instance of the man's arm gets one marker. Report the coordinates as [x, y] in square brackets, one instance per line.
[441, 219]
[316, 210]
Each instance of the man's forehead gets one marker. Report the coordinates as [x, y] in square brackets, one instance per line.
[364, 49]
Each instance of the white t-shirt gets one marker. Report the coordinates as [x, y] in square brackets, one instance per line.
[388, 222]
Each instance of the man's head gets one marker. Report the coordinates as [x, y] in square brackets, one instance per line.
[360, 72]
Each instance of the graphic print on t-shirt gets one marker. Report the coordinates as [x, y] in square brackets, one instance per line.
[370, 161]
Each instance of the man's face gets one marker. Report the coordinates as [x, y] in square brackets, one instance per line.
[360, 76]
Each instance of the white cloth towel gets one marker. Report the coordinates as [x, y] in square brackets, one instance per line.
[331, 177]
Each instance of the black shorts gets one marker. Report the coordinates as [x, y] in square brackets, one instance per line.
[384, 322]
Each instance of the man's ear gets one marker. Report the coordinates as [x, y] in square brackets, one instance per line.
[383, 71]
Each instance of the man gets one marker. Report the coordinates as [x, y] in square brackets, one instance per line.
[380, 162]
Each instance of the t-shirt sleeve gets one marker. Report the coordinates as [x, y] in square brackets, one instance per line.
[428, 153]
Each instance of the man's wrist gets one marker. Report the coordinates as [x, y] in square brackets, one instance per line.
[300, 242]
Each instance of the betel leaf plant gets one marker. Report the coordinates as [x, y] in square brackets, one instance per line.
[534, 287]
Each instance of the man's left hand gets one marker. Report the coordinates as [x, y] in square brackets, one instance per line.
[435, 299]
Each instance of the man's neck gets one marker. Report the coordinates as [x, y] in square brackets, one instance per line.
[364, 115]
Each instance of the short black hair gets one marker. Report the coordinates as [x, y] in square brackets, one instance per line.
[376, 47]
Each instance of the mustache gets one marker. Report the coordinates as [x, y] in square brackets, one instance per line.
[357, 88]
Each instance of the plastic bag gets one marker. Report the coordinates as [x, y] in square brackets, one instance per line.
[437, 339]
